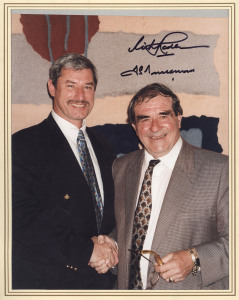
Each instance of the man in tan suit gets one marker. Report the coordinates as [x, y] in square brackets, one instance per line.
[188, 220]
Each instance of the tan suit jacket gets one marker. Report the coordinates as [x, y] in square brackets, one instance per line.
[194, 214]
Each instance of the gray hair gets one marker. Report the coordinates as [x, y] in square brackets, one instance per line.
[73, 61]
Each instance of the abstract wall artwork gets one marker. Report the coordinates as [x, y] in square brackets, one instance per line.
[129, 52]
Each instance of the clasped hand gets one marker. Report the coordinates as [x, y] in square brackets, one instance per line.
[105, 254]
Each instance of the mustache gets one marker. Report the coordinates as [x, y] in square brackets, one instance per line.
[78, 102]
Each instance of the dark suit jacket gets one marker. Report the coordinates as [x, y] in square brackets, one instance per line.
[53, 212]
[194, 214]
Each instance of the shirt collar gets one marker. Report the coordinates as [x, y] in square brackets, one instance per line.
[67, 127]
[170, 158]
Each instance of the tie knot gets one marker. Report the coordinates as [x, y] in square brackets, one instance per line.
[153, 163]
[81, 135]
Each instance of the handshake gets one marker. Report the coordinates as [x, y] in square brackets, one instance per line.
[104, 255]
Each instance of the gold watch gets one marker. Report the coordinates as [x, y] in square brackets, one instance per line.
[196, 261]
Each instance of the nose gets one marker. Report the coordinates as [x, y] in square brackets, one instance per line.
[155, 125]
[79, 93]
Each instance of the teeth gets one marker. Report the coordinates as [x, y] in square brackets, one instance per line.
[78, 105]
[158, 137]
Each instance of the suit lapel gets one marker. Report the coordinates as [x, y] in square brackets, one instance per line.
[132, 184]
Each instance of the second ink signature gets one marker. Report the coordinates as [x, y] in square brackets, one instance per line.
[141, 70]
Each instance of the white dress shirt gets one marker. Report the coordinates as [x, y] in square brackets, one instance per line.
[70, 132]
[160, 180]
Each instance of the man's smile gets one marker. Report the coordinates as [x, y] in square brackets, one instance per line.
[158, 137]
[78, 104]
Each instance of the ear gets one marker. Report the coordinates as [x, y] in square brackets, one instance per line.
[179, 120]
[51, 88]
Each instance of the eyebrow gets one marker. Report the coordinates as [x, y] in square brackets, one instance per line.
[69, 81]
[141, 117]
[87, 83]
[163, 113]
[166, 113]
[90, 83]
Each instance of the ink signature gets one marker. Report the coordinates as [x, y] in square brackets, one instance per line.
[141, 70]
[167, 43]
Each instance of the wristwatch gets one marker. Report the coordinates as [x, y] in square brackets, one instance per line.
[196, 261]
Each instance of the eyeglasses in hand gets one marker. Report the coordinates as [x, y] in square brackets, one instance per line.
[153, 276]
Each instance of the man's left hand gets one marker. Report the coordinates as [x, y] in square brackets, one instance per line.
[176, 266]
[102, 264]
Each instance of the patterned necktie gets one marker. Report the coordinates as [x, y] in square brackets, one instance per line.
[89, 173]
[140, 227]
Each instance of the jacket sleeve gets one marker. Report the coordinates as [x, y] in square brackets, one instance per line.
[214, 256]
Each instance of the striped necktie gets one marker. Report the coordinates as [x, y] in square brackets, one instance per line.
[89, 173]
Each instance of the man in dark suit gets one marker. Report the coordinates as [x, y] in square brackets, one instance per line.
[55, 215]
[182, 214]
